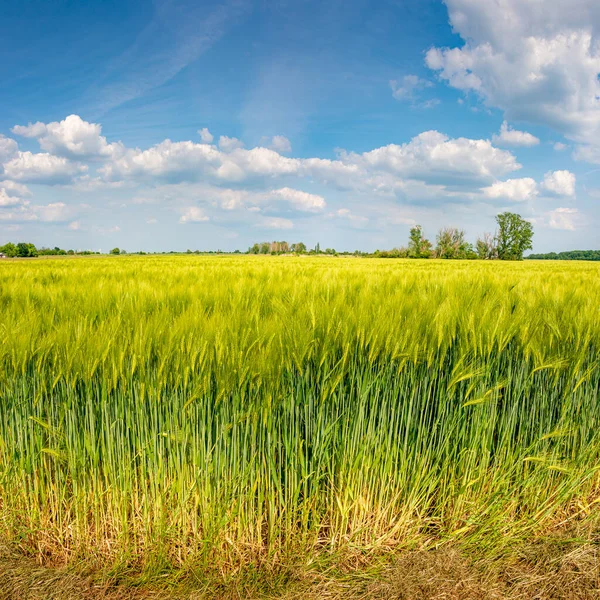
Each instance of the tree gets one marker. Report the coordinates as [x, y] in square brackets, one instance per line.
[9, 250]
[451, 243]
[115, 251]
[418, 245]
[300, 248]
[486, 247]
[25, 250]
[514, 236]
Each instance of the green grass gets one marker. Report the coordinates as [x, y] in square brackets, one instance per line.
[186, 415]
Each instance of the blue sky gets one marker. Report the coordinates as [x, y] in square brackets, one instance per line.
[174, 125]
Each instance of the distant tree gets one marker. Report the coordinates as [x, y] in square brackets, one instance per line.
[318, 248]
[25, 250]
[451, 243]
[514, 236]
[300, 248]
[9, 250]
[115, 251]
[486, 247]
[265, 248]
[393, 253]
[569, 255]
[418, 245]
[254, 249]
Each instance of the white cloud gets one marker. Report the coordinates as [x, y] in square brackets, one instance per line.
[536, 61]
[228, 144]
[71, 137]
[300, 200]
[32, 130]
[431, 156]
[560, 183]
[559, 146]
[12, 188]
[74, 225]
[183, 160]
[407, 88]
[280, 143]
[588, 152]
[8, 148]
[514, 190]
[563, 218]
[53, 212]
[193, 214]
[275, 223]
[8, 201]
[206, 136]
[41, 168]
[263, 186]
[513, 137]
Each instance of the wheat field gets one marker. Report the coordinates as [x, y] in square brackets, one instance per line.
[170, 413]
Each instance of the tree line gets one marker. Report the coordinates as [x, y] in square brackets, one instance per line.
[513, 237]
[28, 250]
[570, 255]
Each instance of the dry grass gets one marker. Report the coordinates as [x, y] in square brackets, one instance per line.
[549, 570]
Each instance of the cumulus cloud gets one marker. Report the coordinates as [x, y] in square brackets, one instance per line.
[432, 156]
[228, 144]
[280, 143]
[8, 148]
[513, 190]
[261, 184]
[72, 137]
[559, 183]
[206, 137]
[563, 218]
[559, 146]
[193, 214]
[300, 200]
[12, 188]
[536, 61]
[41, 168]
[8, 201]
[513, 137]
[21, 212]
[54, 212]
